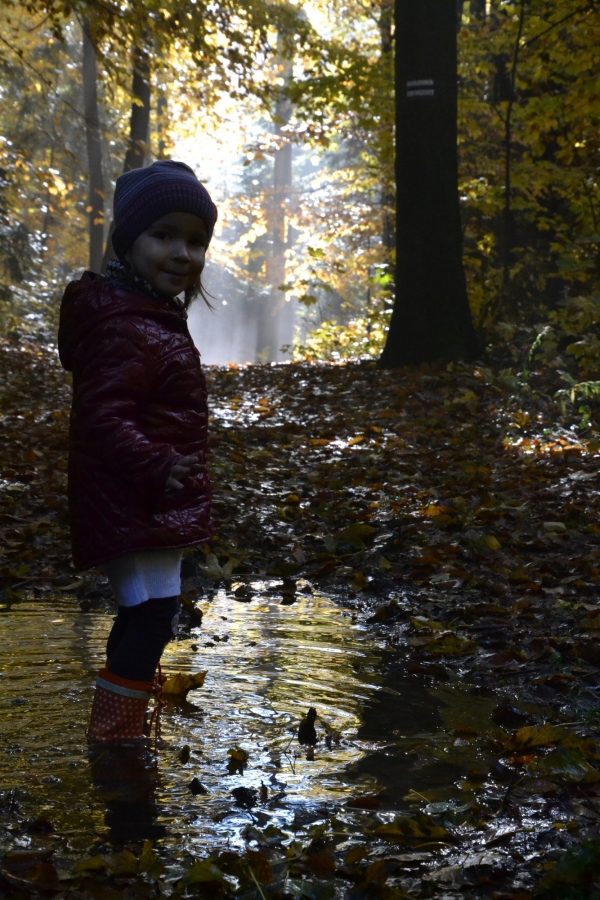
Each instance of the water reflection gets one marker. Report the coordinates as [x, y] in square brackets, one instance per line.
[402, 708]
[126, 779]
[267, 663]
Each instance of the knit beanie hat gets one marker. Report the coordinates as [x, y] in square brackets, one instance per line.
[144, 195]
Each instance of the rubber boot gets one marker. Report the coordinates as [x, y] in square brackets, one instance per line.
[119, 708]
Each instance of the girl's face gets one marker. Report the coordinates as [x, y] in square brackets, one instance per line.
[170, 254]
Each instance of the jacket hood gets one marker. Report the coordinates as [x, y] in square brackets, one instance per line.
[92, 301]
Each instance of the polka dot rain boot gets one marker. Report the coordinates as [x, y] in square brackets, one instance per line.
[119, 708]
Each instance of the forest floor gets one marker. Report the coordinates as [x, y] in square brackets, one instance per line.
[452, 510]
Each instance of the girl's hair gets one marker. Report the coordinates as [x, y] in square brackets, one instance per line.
[122, 270]
[197, 290]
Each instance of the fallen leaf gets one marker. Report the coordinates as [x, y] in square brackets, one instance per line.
[150, 863]
[180, 685]
[237, 760]
[569, 766]
[420, 828]
[201, 872]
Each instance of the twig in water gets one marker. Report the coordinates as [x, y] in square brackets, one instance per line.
[290, 759]
[256, 883]
[422, 796]
[589, 800]
[513, 781]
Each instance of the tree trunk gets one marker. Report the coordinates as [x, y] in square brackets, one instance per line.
[139, 119]
[431, 317]
[479, 8]
[388, 234]
[508, 221]
[139, 123]
[162, 120]
[96, 193]
[276, 315]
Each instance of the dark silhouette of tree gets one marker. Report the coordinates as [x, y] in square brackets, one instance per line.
[96, 189]
[431, 317]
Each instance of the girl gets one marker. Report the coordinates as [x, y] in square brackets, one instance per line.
[138, 490]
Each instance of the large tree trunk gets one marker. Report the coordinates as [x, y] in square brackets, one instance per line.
[139, 119]
[96, 193]
[139, 123]
[431, 318]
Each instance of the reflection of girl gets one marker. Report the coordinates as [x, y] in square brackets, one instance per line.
[138, 490]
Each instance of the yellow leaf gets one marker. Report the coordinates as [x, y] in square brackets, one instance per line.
[238, 754]
[422, 827]
[122, 863]
[493, 543]
[237, 760]
[536, 736]
[89, 864]
[179, 685]
[359, 582]
[532, 736]
[447, 644]
[150, 862]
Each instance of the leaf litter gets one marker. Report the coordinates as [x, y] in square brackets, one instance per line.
[463, 531]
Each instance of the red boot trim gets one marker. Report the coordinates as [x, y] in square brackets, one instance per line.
[141, 690]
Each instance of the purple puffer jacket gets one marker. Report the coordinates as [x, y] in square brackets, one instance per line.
[139, 404]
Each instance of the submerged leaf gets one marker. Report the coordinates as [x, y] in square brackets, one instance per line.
[533, 736]
[150, 863]
[565, 765]
[575, 875]
[89, 864]
[420, 828]
[202, 871]
[260, 866]
[122, 863]
[355, 535]
[445, 645]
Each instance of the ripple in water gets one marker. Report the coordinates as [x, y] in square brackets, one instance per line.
[267, 664]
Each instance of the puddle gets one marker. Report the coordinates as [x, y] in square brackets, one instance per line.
[267, 663]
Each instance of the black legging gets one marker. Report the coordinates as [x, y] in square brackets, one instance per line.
[138, 637]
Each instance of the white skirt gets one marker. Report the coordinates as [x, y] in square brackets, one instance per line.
[144, 575]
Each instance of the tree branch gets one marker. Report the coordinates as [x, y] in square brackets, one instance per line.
[582, 9]
[47, 83]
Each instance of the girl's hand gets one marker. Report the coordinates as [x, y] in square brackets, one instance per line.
[180, 471]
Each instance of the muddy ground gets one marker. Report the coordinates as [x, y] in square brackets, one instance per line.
[452, 513]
